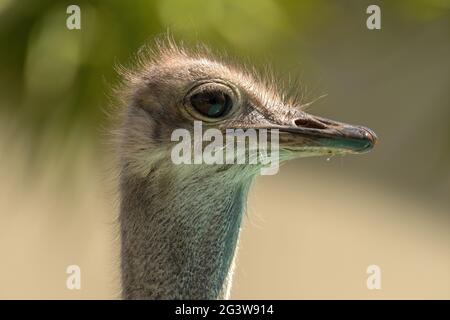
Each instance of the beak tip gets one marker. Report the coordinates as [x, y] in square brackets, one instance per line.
[371, 137]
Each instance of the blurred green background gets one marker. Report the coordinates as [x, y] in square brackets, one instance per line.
[331, 219]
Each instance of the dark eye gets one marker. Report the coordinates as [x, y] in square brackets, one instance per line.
[212, 104]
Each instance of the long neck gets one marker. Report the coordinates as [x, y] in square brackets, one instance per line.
[178, 235]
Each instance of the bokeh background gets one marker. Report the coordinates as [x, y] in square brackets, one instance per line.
[312, 230]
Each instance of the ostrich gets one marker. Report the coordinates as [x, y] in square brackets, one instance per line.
[180, 224]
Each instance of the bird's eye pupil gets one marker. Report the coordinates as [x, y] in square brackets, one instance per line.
[214, 110]
[212, 104]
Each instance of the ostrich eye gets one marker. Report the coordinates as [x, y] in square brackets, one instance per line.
[212, 104]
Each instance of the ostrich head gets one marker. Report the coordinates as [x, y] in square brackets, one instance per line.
[174, 88]
[180, 223]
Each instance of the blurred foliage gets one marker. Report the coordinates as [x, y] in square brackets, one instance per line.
[55, 82]
[52, 77]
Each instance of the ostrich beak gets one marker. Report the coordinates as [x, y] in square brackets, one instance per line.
[310, 131]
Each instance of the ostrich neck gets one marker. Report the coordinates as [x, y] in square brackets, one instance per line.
[179, 235]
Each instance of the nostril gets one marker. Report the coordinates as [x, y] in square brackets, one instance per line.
[309, 123]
